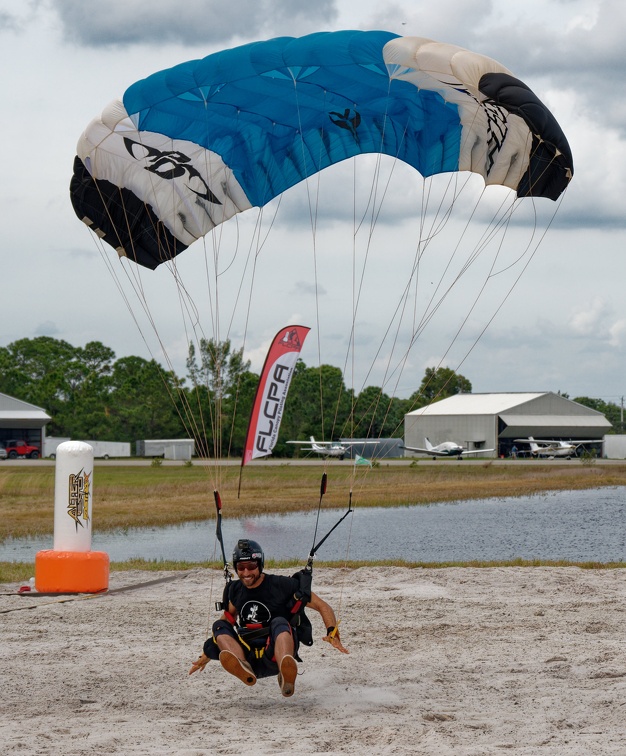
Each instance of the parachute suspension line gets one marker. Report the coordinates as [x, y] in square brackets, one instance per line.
[400, 309]
[260, 243]
[417, 329]
[313, 217]
[208, 403]
[373, 208]
[473, 306]
[140, 293]
[190, 314]
[133, 277]
[187, 305]
[422, 244]
[352, 341]
[375, 212]
[431, 308]
[214, 393]
[214, 270]
[372, 409]
[529, 252]
[100, 246]
[508, 293]
[135, 283]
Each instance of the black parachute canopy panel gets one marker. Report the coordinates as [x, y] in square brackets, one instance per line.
[551, 164]
[119, 217]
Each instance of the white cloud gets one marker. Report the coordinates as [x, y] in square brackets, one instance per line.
[70, 58]
[208, 22]
[590, 319]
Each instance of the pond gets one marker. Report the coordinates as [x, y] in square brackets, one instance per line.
[573, 525]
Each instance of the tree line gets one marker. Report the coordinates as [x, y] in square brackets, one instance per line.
[90, 394]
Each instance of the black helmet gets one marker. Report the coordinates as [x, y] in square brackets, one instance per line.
[248, 551]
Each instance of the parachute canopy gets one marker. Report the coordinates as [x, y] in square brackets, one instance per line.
[189, 147]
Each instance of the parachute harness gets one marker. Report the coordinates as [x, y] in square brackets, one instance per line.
[305, 576]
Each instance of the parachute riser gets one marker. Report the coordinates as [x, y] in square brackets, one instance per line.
[305, 576]
[228, 575]
[312, 553]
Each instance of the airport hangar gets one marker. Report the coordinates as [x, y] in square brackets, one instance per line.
[22, 420]
[494, 421]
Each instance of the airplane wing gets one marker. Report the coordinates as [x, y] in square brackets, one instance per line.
[355, 443]
[550, 441]
[335, 443]
[554, 442]
[317, 443]
[430, 452]
[476, 451]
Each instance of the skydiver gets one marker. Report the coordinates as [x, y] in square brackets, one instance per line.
[263, 643]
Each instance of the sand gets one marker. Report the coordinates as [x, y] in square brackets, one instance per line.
[450, 661]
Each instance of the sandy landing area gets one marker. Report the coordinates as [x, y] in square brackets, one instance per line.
[450, 661]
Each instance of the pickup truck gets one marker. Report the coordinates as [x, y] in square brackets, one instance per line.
[18, 448]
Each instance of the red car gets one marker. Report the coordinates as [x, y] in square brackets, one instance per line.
[19, 448]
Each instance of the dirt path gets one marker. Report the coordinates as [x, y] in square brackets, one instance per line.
[450, 661]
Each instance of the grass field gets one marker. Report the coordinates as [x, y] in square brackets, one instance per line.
[125, 497]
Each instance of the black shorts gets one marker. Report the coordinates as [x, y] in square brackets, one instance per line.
[259, 652]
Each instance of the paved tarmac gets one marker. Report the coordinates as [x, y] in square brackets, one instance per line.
[143, 462]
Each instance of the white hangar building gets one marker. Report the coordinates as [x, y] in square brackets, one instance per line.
[21, 420]
[493, 421]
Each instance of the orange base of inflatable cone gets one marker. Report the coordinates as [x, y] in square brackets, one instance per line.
[71, 571]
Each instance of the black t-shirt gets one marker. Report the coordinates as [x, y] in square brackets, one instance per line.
[256, 606]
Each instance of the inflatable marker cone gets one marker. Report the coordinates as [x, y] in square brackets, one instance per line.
[70, 566]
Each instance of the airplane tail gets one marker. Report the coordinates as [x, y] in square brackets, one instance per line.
[533, 446]
[312, 439]
[429, 446]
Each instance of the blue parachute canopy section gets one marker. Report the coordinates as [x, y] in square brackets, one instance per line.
[278, 112]
[189, 147]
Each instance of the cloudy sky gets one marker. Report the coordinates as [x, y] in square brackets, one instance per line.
[560, 327]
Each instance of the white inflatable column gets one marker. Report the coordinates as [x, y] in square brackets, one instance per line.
[73, 496]
[71, 566]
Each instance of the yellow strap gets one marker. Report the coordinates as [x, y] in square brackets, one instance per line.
[243, 643]
[335, 632]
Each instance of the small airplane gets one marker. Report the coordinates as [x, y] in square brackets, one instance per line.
[550, 448]
[446, 449]
[329, 448]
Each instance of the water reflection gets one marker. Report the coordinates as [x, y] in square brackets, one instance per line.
[573, 525]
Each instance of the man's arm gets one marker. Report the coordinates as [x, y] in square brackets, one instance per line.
[330, 622]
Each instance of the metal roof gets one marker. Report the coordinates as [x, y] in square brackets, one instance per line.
[10, 404]
[477, 404]
[15, 412]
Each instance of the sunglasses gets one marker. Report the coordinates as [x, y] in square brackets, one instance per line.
[251, 567]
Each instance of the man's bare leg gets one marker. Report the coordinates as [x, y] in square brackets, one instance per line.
[287, 666]
[233, 660]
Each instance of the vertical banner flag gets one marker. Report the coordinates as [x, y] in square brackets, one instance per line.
[271, 393]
